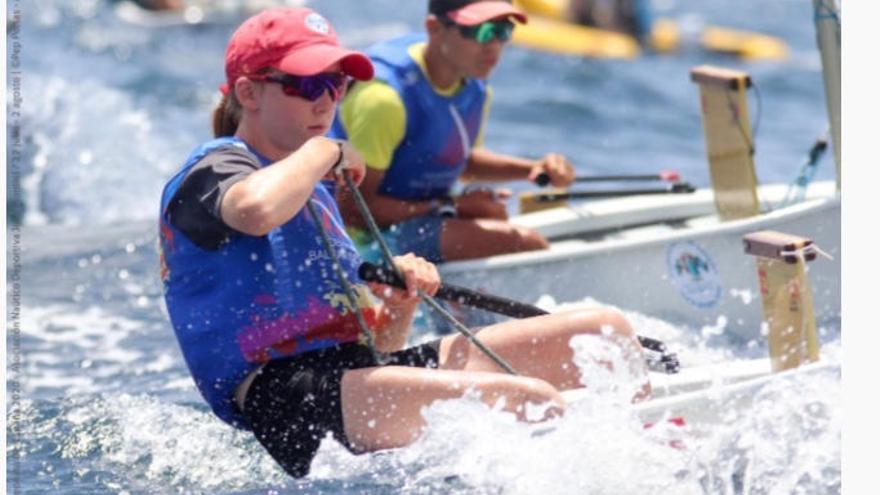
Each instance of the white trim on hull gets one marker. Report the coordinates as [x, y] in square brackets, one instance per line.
[706, 395]
[688, 272]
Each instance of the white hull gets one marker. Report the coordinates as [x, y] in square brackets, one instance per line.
[666, 256]
[710, 395]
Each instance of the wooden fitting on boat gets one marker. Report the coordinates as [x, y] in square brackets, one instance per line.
[786, 296]
[532, 201]
[720, 77]
[729, 145]
[778, 246]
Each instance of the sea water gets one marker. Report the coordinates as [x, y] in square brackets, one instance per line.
[104, 402]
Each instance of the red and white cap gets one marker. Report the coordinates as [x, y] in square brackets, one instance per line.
[296, 41]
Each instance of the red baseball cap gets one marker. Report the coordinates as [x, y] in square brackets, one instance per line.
[296, 41]
[473, 12]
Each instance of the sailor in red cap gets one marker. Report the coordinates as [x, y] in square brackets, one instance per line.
[279, 332]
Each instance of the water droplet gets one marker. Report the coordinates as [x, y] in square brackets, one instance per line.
[86, 157]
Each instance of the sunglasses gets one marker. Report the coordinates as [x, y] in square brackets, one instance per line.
[310, 87]
[485, 32]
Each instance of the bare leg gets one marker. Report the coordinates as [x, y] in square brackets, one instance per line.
[466, 239]
[540, 347]
[381, 407]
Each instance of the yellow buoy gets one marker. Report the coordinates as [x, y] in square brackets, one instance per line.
[748, 45]
[571, 39]
[554, 9]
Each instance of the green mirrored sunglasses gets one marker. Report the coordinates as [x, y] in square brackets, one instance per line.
[484, 32]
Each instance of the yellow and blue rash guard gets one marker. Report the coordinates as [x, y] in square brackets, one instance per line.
[420, 135]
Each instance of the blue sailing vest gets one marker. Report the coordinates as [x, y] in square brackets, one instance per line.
[440, 130]
[255, 298]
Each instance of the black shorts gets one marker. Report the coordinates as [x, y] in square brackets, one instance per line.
[293, 402]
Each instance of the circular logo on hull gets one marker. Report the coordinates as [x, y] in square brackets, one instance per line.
[693, 272]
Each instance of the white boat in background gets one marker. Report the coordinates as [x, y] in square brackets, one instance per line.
[679, 257]
[667, 256]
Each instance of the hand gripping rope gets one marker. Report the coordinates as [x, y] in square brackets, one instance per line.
[349, 289]
[666, 362]
[388, 255]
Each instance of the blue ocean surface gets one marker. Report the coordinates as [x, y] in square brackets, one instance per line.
[103, 402]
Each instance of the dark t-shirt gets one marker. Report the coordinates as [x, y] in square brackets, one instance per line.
[195, 207]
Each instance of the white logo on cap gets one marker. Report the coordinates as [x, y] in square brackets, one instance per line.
[317, 23]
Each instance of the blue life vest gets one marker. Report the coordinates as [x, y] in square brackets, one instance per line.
[255, 298]
[440, 130]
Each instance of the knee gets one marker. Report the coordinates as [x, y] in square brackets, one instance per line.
[531, 399]
[604, 321]
[528, 239]
[617, 322]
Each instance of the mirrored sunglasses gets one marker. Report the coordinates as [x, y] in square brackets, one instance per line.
[484, 32]
[310, 87]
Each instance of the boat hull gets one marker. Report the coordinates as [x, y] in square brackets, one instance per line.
[710, 395]
[718, 402]
[690, 272]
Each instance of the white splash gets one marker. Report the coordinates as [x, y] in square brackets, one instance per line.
[92, 341]
[93, 146]
[160, 444]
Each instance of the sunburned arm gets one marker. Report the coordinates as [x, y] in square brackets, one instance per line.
[486, 165]
[272, 195]
[385, 209]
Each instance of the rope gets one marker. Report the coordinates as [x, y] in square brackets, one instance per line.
[759, 112]
[749, 142]
[826, 10]
[803, 252]
[388, 255]
[349, 289]
[798, 188]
